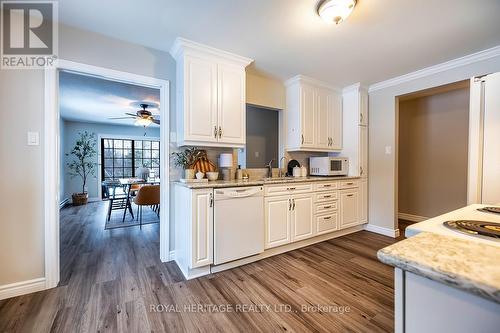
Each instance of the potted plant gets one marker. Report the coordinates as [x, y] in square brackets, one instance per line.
[83, 164]
[186, 159]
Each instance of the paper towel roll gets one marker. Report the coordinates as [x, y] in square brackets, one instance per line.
[225, 160]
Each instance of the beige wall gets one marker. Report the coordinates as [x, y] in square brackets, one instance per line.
[382, 109]
[21, 92]
[432, 153]
[265, 91]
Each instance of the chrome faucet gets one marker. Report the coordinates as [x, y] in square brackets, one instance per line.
[269, 167]
[280, 170]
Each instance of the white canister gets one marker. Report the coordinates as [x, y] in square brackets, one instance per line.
[303, 171]
[297, 172]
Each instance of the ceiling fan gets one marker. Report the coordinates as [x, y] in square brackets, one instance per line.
[142, 117]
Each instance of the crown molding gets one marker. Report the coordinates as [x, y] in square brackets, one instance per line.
[310, 80]
[181, 45]
[458, 62]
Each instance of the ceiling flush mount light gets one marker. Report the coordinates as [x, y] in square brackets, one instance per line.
[336, 10]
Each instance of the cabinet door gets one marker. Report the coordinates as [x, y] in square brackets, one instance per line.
[363, 190]
[277, 221]
[307, 115]
[200, 98]
[363, 151]
[335, 121]
[302, 217]
[231, 104]
[349, 208]
[323, 135]
[202, 228]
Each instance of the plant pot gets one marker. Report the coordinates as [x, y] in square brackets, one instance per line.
[189, 173]
[80, 199]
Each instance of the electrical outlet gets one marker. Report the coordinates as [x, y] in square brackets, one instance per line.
[33, 139]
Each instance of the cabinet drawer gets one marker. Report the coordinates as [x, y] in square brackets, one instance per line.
[326, 186]
[325, 196]
[349, 184]
[325, 207]
[327, 223]
[286, 189]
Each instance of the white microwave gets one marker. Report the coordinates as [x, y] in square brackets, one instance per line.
[328, 166]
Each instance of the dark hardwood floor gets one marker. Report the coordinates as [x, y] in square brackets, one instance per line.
[113, 281]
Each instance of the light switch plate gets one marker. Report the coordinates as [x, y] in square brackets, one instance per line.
[33, 138]
[388, 150]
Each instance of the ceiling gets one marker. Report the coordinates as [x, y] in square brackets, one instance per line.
[380, 40]
[91, 99]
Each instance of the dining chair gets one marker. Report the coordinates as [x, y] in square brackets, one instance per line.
[148, 195]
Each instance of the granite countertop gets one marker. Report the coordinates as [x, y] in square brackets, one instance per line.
[459, 263]
[257, 182]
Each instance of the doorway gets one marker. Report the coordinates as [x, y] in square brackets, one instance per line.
[432, 158]
[52, 156]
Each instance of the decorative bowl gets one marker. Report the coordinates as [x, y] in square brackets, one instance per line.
[212, 175]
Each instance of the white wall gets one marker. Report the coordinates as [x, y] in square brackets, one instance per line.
[382, 109]
[21, 91]
[69, 135]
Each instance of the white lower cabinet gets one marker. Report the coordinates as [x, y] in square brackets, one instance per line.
[277, 221]
[302, 216]
[201, 232]
[349, 208]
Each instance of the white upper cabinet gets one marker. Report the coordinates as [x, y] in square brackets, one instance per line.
[231, 107]
[313, 116]
[210, 95]
[200, 105]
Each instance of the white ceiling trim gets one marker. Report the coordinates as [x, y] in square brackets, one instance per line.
[458, 62]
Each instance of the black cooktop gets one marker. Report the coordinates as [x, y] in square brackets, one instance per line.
[495, 210]
[472, 227]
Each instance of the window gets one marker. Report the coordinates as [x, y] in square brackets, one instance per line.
[121, 157]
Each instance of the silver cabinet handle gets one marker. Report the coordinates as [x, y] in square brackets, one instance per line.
[361, 118]
[289, 204]
[327, 196]
[291, 188]
[327, 218]
[326, 207]
[293, 208]
[360, 170]
[302, 135]
[211, 200]
[220, 132]
[350, 195]
[215, 132]
[327, 185]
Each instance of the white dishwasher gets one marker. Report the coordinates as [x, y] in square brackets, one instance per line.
[238, 223]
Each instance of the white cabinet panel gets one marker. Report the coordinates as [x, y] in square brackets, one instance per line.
[231, 104]
[308, 105]
[323, 126]
[363, 190]
[202, 228]
[491, 140]
[277, 221]
[200, 98]
[349, 208]
[363, 151]
[302, 221]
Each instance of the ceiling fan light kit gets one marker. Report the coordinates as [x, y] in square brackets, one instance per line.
[336, 11]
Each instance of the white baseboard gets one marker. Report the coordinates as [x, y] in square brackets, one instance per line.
[411, 217]
[22, 288]
[381, 230]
